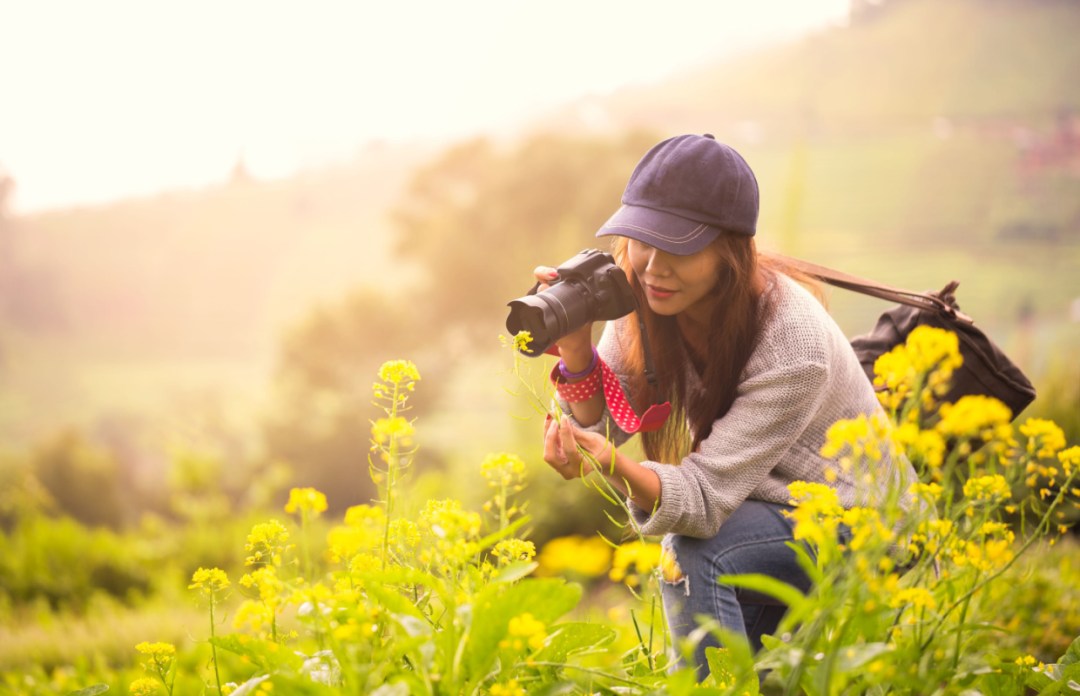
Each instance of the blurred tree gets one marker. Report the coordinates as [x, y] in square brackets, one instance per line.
[82, 479]
[21, 493]
[475, 222]
[323, 405]
[479, 219]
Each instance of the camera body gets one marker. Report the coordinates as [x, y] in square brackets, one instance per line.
[590, 287]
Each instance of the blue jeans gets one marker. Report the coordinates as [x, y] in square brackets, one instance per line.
[753, 540]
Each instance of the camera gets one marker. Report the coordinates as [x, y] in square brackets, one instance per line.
[590, 287]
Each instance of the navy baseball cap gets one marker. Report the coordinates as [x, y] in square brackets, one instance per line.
[683, 193]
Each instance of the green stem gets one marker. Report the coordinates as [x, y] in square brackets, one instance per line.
[213, 647]
[391, 473]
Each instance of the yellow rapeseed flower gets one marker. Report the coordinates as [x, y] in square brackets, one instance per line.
[928, 357]
[817, 512]
[513, 551]
[989, 488]
[503, 470]
[1045, 438]
[209, 580]
[915, 597]
[399, 372]
[586, 556]
[634, 559]
[508, 688]
[1070, 460]
[524, 630]
[266, 543]
[159, 650]
[866, 527]
[976, 416]
[306, 500]
[144, 687]
[519, 341]
[383, 430]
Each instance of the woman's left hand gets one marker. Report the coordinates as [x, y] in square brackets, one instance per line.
[561, 441]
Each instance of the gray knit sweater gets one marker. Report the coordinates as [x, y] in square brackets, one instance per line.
[802, 377]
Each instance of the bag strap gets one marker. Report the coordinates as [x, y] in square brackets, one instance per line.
[943, 302]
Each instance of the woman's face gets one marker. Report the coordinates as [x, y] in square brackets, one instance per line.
[676, 284]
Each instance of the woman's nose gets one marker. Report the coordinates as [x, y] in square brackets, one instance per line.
[657, 263]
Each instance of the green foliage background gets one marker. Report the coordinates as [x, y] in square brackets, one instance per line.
[233, 331]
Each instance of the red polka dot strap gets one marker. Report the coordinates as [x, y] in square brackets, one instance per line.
[617, 403]
[574, 392]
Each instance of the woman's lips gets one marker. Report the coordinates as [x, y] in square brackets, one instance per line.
[659, 292]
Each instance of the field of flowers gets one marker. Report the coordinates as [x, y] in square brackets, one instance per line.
[968, 592]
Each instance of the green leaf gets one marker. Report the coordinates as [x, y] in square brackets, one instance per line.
[545, 598]
[574, 637]
[92, 690]
[514, 571]
[729, 670]
[393, 600]
[1072, 654]
[853, 657]
[770, 586]
[266, 655]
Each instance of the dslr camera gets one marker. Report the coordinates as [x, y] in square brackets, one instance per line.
[590, 287]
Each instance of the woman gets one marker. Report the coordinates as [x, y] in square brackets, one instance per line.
[753, 366]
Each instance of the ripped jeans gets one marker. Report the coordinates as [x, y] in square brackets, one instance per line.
[753, 540]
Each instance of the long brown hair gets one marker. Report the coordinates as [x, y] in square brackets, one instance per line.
[732, 334]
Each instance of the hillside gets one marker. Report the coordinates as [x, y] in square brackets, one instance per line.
[127, 306]
[935, 139]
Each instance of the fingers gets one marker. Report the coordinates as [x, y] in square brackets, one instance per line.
[563, 458]
[545, 275]
[561, 450]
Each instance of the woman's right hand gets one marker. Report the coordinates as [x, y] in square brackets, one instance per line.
[575, 348]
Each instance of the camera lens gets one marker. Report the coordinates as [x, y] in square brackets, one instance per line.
[549, 315]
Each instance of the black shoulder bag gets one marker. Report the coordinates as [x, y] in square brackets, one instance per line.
[986, 369]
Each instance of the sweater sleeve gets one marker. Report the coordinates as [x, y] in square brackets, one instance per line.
[771, 410]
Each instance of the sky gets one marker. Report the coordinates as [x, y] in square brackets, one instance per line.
[106, 99]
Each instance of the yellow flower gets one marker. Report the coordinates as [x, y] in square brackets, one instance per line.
[503, 470]
[987, 488]
[926, 360]
[524, 630]
[930, 492]
[509, 688]
[396, 428]
[143, 687]
[514, 550]
[399, 372]
[586, 556]
[916, 597]
[519, 341]
[817, 512]
[634, 559]
[925, 446]
[266, 543]
[263, 583]
[977, 416]
[306, 500]
[159, 650]
[209, 580]
[1070, 459]
[866, 527]
[994, 550]
[1045, 438]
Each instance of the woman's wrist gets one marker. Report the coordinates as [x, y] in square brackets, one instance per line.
[570, 374]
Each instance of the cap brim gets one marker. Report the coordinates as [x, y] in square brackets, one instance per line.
[665, 231]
